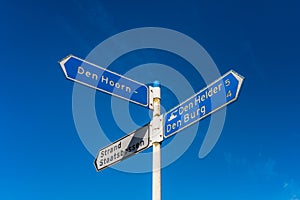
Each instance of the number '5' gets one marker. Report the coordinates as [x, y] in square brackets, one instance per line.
[227, 82]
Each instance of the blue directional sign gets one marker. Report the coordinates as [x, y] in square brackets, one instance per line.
[99, 78]
[215, 96]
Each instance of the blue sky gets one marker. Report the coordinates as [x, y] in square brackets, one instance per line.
[257, 155]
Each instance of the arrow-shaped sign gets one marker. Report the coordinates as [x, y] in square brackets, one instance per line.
[99, 78]
[123, 148]
[215, 96]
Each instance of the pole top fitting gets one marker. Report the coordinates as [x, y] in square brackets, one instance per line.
[156, 84]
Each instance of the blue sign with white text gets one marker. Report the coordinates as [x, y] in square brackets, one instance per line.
[215, 96]
[104, 80]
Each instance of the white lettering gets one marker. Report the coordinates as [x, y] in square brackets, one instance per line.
[104, 79]
[197, 100]
[186, 118]
[95, 76]
[174, 126]
[111, 83]
[88, 74]
[128, 89]
[80, 70]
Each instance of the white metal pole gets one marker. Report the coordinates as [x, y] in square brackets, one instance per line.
[156, 177]
[156, 160]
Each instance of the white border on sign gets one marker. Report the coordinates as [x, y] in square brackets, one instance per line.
[62, 64]
[239, 79]
[128, 135]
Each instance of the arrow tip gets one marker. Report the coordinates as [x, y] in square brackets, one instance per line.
[62, 63]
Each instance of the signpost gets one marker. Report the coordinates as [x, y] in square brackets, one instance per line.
[123, 148]
[213, 97]
[99, 78]
[218, 94]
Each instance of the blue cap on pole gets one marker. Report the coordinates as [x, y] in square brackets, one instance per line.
[156, 84]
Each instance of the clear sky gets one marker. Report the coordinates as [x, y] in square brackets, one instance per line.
[257, 155]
